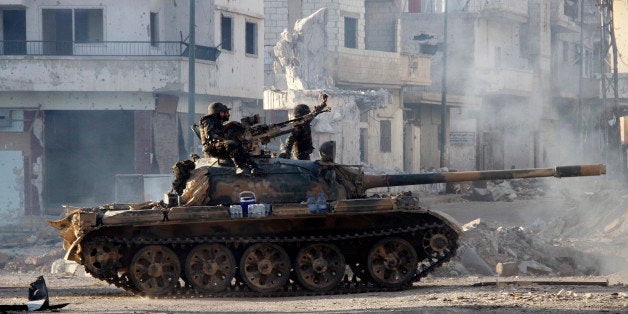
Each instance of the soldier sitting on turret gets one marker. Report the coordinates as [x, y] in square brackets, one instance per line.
[219, 142]
[300, 140]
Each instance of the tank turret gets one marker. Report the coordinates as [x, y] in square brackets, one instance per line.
[230, 234]
[214, 182]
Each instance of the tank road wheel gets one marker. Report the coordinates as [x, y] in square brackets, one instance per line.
[320, 266]
[434, 242]
[155, 269]
[210, 267]
[392, 262]
[265, 267]
[102, 258]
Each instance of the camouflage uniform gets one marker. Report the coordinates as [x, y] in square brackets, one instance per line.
[222, 142]
[300, 140]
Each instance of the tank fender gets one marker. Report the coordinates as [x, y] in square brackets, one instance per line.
[73, 251]
[448, 219]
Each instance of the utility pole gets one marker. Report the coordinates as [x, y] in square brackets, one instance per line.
[580, 126]
[443, 101]
[191, 78]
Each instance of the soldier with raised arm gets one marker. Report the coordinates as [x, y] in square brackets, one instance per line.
[299, 142]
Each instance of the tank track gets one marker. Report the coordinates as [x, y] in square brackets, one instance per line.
[348, 285]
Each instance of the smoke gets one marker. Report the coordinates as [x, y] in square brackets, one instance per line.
[596, 223]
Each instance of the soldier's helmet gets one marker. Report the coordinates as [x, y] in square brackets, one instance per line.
[328, 151]
[301, 110]
[216, 107]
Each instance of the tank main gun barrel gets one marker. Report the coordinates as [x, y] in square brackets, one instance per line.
[374, 181]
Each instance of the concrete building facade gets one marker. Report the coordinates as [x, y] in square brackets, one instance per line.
[513, 79]
[91, 89]
[350, 50]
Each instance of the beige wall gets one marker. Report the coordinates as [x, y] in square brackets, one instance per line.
[620, 14]
[392, 160]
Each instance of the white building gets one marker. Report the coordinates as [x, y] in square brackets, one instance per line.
[349, 49]
[90, 89]
[513, 71]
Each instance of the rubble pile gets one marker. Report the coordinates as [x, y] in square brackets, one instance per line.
[596, 216]
[507, 190]
[30, 250]
[589, 239]
[487, 249]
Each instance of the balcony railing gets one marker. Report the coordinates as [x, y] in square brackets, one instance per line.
[104, 48]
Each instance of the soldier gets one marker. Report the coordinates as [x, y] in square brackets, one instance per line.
[300, 140]
[219, 142]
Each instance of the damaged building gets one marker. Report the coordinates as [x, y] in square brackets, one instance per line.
[513, 88]
[351, 51]
[513, 76]
[95, 89]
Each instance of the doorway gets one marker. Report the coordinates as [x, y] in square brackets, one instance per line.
[84, 150]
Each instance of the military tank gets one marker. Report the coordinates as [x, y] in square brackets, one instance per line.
[196, 244]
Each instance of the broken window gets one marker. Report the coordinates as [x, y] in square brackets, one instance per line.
[524, 40]
[385, 136]
[364, 116]
[154, 29]
[351, 32]
[226, 33]
[88, 25]
[571, 9]
[251, 38]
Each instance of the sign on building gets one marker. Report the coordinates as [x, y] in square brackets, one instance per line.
[462, 138]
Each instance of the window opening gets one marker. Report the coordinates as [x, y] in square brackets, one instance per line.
[251, 38]
[385, 136]
[414, 6]
[88, 25]
[351, 32]
[226, 32]
[363, 144]
[154, 29]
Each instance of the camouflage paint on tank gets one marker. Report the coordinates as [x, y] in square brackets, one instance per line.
[283, 181]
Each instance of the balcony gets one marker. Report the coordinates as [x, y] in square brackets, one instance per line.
[379, 69]
[565, 83]
[104, 67]
[504, 81]
[105, 48]
[565, 18]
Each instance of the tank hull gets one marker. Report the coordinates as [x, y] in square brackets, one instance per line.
[361, 239]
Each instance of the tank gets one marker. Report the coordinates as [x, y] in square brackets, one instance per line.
[199, 244]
